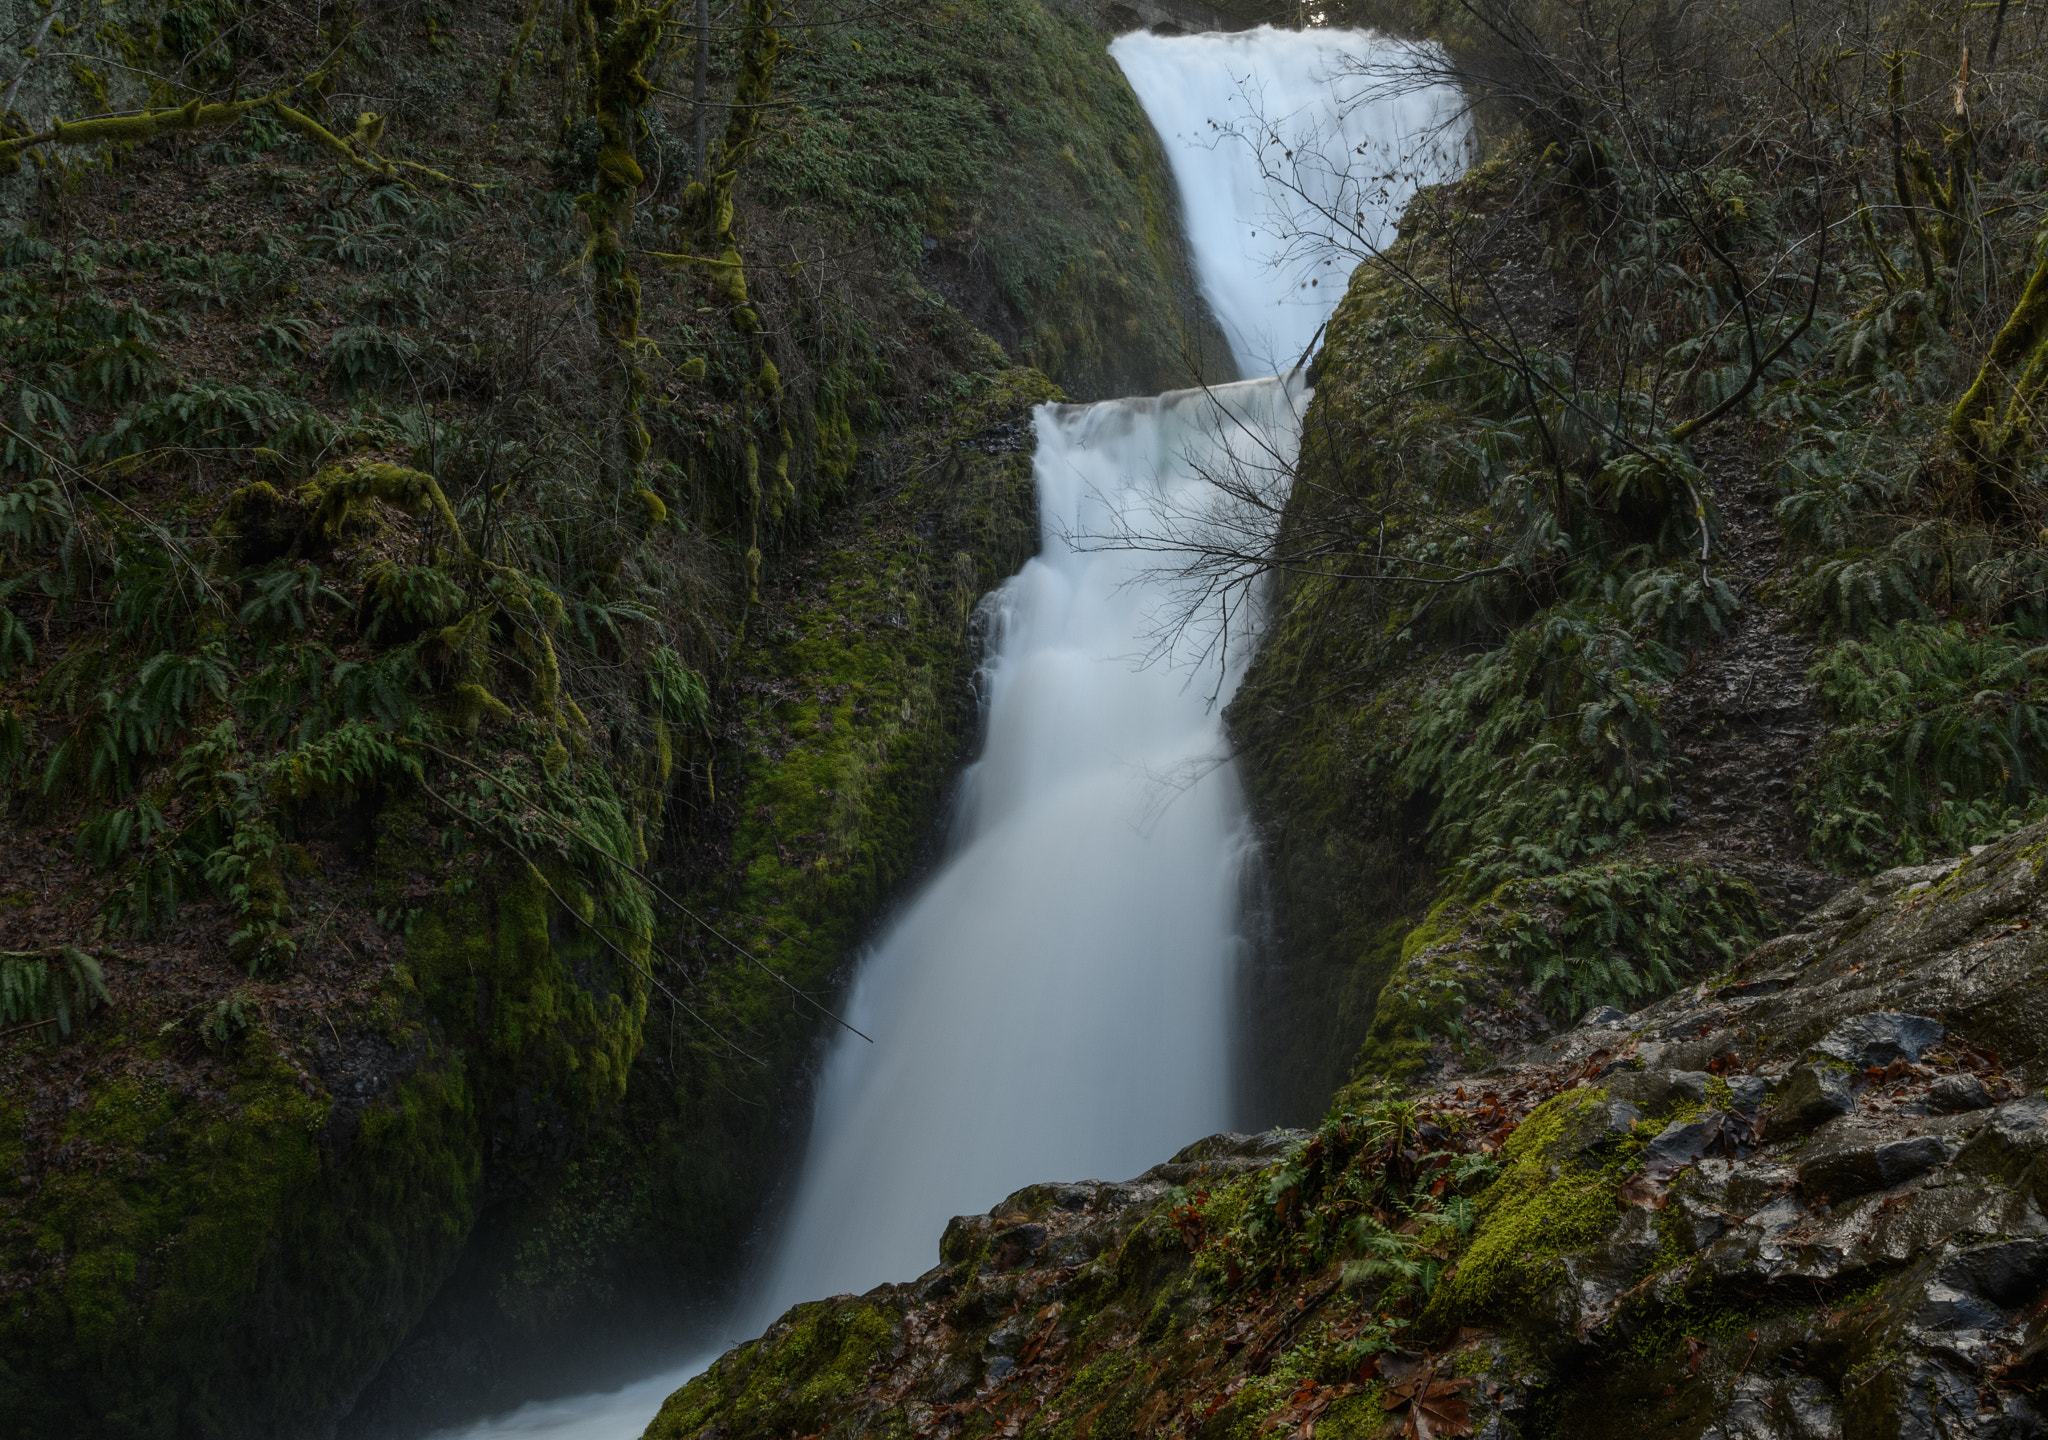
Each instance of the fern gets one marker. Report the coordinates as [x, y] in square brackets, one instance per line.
[408, 598]
[289, 694]
[34, 516]
[286, 597]
[201, 416]
[677, 692]
[1623, 933]
[284, 340]
[386, 689]
[1544, 751]
[1678, 606]
[38, 989]
[16, 648]
[1939, 740]
[342, 764]
[110, 835]
[369, 357]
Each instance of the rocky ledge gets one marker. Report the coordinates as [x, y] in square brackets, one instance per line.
[1802, 1199]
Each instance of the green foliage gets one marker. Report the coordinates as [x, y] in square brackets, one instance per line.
[369, 357]
[1938, 740]
[402, 600]
[680, 702]
[1678, 606]
[1545, 751]
[1343, 1195]
[285, 597]
[1624, 933]
[49, 989]
[676, 691]
[227, 1022]
[1009, 137]
[202, 416]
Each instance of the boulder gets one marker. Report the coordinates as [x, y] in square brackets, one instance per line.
[1877, 1039]
[1848, 1159]
[1814, 1095]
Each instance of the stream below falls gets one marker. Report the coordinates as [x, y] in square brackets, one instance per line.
[1056, 1001]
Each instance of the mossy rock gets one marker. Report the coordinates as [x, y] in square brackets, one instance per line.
[795, 1380]
[241, 1256]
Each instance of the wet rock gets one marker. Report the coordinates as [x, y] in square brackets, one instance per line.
[937, 1284]
[1760, 1407]
[1593, 1282]
[1911, 879]
[1757, 1251]
[1814, 1095]
[1602, 1015]
[1952, 1094]
[1607, 1121]
[2005, 1272]
[1880, 1037]
[2012, 1144]
[1680, 1143]
[1701, 1220]
[1752, 1186]
[1009, 1337]
[1847, 1159]
[1698, 1085]
[1222, 1155]
[1649, 1090]
[2015, 1419]
[1914, 1398]
[1019, 1244]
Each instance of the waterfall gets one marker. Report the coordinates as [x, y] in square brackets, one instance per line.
[1287, 144]
[1055, 1002]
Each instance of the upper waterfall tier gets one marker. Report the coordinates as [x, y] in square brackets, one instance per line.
[1295, 152]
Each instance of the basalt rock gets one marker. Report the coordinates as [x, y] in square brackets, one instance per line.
[1804, 1199]
[1813, 1096]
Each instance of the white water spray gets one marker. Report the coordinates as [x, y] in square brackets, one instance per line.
[1055, 1002]
[1287, 145]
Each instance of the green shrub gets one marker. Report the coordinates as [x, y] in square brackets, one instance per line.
[1624, 933]
[1939, 741]
[38, 989]
[1545, 751]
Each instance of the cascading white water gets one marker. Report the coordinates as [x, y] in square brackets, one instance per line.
[1055, 1002]
[1287, 145]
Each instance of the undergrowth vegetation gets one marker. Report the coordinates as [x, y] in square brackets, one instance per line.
[1938, 741]
[1709, 347]
[1377, 1191]
[416, 429]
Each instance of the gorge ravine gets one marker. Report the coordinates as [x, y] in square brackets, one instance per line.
[1057, 998]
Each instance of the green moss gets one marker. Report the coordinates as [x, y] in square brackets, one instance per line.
[1353, 1417]
[1546, 1202]
[1446, 962]
[1620, 933]
[790, 1382]
[1012, 141]
[853, 719]
[1100, 1399]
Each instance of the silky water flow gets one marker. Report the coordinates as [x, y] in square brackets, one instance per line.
[1054, 1003]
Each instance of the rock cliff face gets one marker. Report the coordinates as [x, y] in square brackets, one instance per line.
[1801, 1199]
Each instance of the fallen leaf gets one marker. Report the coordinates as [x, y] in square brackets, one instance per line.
[1642, 1191]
